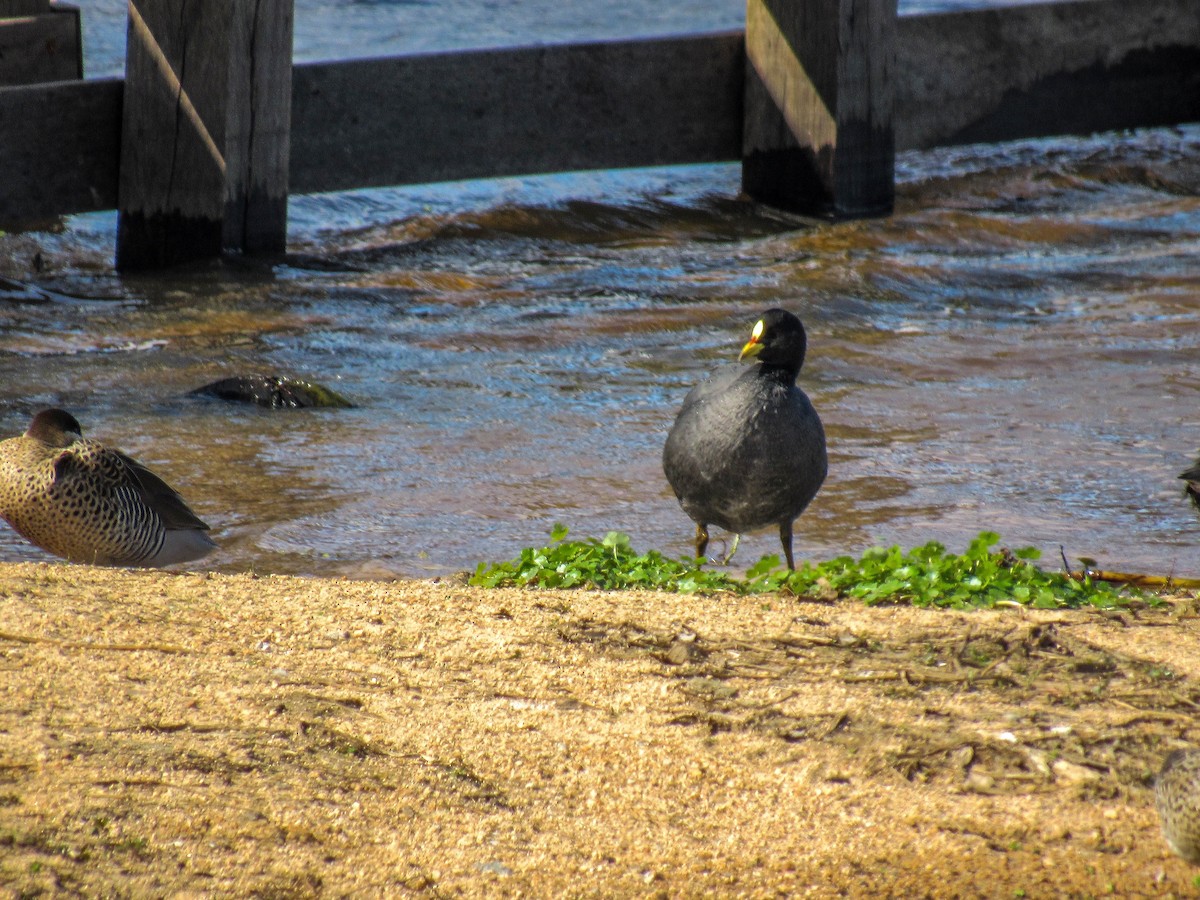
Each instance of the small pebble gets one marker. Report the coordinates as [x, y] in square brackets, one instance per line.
[1073, 772]
[979, 783]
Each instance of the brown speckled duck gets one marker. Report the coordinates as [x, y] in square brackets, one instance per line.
[89, 503]
[1177, 797]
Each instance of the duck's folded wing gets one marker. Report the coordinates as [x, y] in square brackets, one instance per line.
[160, 496]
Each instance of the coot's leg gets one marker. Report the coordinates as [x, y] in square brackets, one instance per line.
[737, 539]
[785, 538]
[701, 540]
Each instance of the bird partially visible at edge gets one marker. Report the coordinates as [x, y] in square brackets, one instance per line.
[89, 503]
[1192, 488]
[1177, 798]
[747, 449]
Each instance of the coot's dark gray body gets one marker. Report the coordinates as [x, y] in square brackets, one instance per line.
[747, 449]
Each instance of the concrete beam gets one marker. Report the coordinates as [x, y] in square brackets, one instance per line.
[39, 42]
[1055, 68]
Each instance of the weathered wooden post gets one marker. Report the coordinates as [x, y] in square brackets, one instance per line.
[205, 130]
[817, 135]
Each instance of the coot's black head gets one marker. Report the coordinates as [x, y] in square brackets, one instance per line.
[778, 339]
[55, 427]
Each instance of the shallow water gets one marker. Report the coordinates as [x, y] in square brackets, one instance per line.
[1016, 349]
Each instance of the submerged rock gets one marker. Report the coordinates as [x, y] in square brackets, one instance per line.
[274, 392]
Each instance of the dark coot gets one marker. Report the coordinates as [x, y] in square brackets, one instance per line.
[747, 449]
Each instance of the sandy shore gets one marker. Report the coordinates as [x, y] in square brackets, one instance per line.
[169, 734]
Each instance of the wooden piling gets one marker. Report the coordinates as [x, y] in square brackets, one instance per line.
[259, 127]
[818, 136]
[204, 138]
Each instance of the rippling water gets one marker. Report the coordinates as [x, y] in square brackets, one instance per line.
[341, 29]
[1018, 348]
